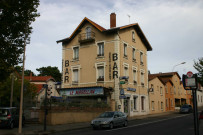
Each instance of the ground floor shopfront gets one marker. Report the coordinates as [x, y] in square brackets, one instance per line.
[125, 100]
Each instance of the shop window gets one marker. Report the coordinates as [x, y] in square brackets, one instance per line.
[100, 49]
[135, 102]
[143, 103]
[75, 53]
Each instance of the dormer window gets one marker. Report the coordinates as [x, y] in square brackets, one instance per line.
[88, 32]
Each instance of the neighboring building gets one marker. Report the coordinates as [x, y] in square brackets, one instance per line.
[175, 94]
[157, 98]
[200, 96]
[94, 58]
[39, 81]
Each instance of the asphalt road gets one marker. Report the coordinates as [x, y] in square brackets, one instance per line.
[176, 124]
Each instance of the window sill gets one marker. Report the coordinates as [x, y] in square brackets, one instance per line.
[125, 56]
[75, 60]
[134, 60]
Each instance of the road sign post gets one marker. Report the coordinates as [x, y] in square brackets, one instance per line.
[190, 83]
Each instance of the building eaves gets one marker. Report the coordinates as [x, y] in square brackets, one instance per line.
[115, 29]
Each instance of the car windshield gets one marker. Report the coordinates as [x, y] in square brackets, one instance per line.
[3, 112]
[185, 106]
[106, 115]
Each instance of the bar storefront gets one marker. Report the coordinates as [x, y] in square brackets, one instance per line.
[86, 95]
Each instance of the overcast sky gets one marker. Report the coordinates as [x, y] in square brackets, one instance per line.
[174, 28]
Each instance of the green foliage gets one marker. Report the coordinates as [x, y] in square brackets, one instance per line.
[30, 92]
[198, 65]
[26, 71]
[16, 17]
[50, 71]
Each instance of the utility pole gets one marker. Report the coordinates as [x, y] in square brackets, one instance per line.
[11, 98]
[21, 92]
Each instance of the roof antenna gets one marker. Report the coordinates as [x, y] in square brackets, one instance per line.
[129, 17]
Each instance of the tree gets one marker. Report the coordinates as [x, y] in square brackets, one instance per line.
[198, 65]
[30, 92]
[26, 71]
[50, 71]
[16, 17]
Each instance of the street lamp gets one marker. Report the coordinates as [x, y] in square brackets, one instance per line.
[177, 65]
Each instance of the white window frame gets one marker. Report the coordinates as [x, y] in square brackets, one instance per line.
[142, 74]
[100, 64]
[161, 91]
[134, 76]
[125, 65]
[98, 48]
[74, 58]
[125, 46]
[135, 103]
[134, 54]
[143, 103]
[133, 36]
[162, 106]
[88, 31]
[75, 68]
[153, 104]
[141, 58]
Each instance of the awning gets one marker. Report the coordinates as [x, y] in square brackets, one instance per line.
[84, 91]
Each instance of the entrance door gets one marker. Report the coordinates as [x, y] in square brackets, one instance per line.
[126, 105]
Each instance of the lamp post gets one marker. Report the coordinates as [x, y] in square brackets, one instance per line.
[177, 65]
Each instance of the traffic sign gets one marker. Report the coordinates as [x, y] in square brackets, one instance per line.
[122, 82]
[189, 74]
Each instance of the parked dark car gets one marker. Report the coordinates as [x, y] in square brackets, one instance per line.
[186, 109]
[201, 115]
[110, 120]
[9, 117]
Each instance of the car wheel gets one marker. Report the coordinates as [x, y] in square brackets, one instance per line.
[111, 125]
[11, 125]
[125, 124]
[94, 128]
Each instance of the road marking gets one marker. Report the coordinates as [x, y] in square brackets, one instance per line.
[147, 123]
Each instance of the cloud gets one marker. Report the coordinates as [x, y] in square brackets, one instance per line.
[173, 28]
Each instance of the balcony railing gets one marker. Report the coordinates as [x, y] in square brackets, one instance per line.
[86, 37]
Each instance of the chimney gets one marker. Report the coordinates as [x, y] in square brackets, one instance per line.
[112, 20]
[30, 76]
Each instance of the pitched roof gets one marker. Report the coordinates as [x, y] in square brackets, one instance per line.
[101, 29]
[38, 78]
[151, 77]
[168, 74]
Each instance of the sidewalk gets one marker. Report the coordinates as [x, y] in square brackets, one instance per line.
[38, 129]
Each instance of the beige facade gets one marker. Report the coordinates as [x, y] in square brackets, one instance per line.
[156, 96]
[95, 59]
[175, 94]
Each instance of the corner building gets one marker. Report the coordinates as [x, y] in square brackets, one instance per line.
[107, 65]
